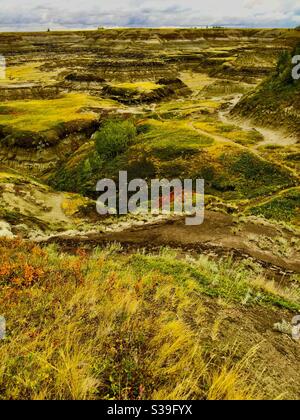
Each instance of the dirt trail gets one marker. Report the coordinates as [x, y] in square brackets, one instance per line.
[274, 137]
[216, 137]
[217, 236]
[246, 125]
[271, 136]
[254, 149]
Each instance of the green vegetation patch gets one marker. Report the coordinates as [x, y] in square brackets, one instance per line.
[226, 87]
[227, 280]
[256, 176]
[148, 150]
[114, 138]
[276, 101]
[230, 131]
[40, 115]
[184, 108]
[174, 149]
[235, 173]
[284, 207]
[167, 140]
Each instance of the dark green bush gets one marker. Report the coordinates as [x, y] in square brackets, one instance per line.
[114, 138]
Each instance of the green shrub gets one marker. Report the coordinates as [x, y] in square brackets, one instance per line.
[114, 138]
[81, 178]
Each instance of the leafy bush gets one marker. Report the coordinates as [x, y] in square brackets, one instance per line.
[79, 172]
[114, 138]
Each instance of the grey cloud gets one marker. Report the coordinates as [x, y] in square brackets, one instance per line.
[90, 14]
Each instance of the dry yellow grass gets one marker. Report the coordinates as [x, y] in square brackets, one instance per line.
[72, 203]
[27, 73]
[90, 327]
[196, 81]
[137, 86]
[39, 115]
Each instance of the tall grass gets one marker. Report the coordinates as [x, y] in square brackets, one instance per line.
[99, 327]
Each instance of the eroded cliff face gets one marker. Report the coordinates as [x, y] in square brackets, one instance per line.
[276, 101]
[82, 59]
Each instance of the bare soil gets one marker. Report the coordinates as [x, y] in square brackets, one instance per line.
[220, 234]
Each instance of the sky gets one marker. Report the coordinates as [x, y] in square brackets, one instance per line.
[90, 14]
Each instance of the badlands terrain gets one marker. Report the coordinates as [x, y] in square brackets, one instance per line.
[145, 307]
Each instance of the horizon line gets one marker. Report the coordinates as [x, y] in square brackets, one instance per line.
[108, 27]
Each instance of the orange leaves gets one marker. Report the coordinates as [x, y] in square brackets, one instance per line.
[24, 263]
[28, 273]
[138, 287]
[14, 270]
[78, 264]
[31, 274]
[38, 252]
[111, 281]
[10, 243]
[6, 269]
[25, 275]
[141, 392]
[17, 281]
[81, 253]
[75, 267]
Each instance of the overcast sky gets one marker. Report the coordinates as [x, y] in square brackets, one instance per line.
[41, 14]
